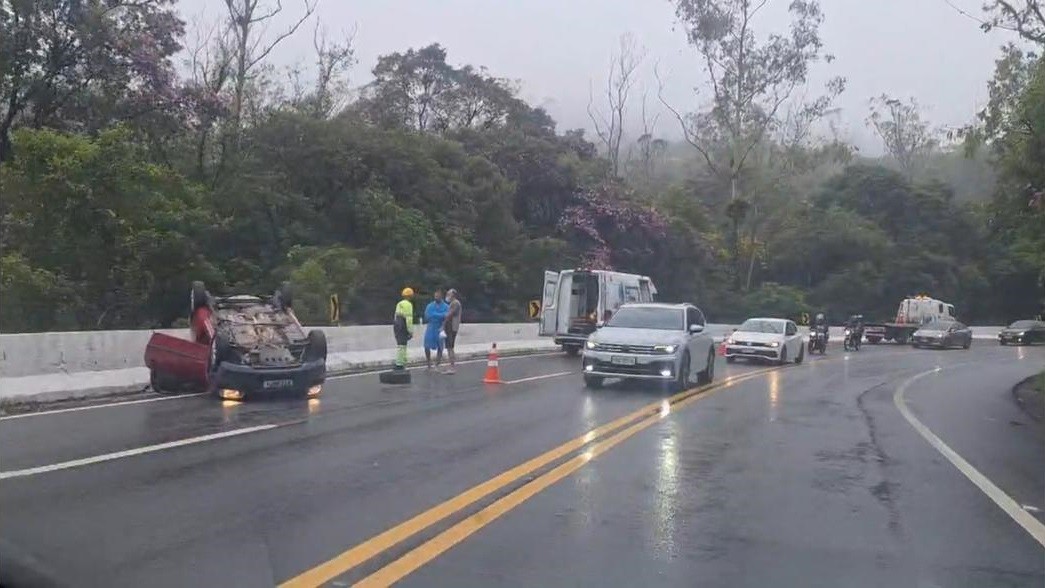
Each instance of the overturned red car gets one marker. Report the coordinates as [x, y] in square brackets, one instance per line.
[240, 347]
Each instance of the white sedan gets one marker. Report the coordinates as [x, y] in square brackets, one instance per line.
[766, 339]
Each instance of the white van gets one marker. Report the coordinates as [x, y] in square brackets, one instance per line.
[576, 301]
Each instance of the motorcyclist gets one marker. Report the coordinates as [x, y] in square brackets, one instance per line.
[820, 324]
[855, 324]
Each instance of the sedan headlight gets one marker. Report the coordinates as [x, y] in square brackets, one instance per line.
[590, 344]
[665, 348]
[730, 341]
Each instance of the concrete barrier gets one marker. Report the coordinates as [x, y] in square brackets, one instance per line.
[57, 366]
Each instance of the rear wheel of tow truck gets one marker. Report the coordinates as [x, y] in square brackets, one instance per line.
[571, 350]
[901, 339]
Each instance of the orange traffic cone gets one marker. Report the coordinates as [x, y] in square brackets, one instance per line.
[493, 371]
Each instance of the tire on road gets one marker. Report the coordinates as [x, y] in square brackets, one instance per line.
[874, 340]
[801, 354]
[708, 374]
[682, 378]
[593, 381]
[783, 356]
[571, 350]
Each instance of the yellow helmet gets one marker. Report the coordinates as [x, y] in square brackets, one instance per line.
[408, 292]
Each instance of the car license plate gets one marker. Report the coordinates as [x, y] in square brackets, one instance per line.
[747, 350]
[271, 384]
[622, 360]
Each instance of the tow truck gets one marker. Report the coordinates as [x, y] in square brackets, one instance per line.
[914, 311]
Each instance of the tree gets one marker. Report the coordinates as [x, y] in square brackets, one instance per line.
[651, 149]
[609, 125]
[85, 64]
[247, 19]
[419, 90]
[749, 83]
[907, 138]
[1026, 17]
[93, 218]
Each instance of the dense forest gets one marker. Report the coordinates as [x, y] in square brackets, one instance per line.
[126, 173]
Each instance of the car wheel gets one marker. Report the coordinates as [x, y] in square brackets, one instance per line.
[285, 294]
[968, 343]
[154, 381]
[1002, 343]
[572, 350]
[592, 381]
[730, 359]
[708, 375]
[874, 340]
[801, 354]
[783, 356]
[197, 297]
[682, 378]
[317, 345]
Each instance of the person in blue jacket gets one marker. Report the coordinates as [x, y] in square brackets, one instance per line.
[435, 312]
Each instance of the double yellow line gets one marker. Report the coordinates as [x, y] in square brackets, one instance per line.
[618, 431]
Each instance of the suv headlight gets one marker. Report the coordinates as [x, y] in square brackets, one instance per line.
[590, 344]
[665, 348]
[774, 344]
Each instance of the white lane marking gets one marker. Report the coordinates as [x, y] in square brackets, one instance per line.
[1003, 500]
[176, 396]
[93, 406]
[65, 465]
[543, 377]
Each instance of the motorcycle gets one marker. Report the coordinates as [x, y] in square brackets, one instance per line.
[851, 342]
[817, 342]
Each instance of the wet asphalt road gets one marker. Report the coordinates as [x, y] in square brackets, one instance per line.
[802, 476]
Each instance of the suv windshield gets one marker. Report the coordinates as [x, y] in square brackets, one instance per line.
[637, 317]
[762, 326]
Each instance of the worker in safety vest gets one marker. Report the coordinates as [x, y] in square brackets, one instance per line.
[403, 326]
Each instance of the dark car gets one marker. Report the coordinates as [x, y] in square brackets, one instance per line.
[942, 334]
[1023, 333]
[240, 346]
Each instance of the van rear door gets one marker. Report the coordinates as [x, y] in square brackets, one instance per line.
[646, 290]
[549, 308]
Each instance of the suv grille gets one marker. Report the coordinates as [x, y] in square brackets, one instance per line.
[618, 348]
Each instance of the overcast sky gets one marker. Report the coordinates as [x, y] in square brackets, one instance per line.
[556, 48]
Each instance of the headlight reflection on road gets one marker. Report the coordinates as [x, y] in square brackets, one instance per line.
[774, 394]
[665, 407]
[313, 405]
[663, 533]
[228, 410]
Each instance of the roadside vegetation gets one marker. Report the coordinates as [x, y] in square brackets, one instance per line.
[135, 157]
